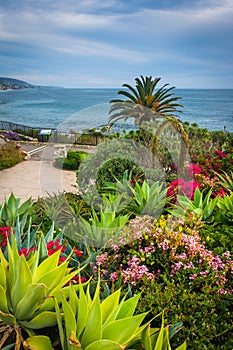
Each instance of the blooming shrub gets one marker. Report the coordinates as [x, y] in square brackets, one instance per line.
[214, 161]
[169, 263]
[11, 135]
[180, 186]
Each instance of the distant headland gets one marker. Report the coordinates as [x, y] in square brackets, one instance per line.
[14, 84]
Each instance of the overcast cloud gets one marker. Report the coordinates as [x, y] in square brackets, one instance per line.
[93, 43]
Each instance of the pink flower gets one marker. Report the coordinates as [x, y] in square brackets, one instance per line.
[101, 259]
[114, 276]
[192, 169]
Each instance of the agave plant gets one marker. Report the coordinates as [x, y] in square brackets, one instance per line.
[148, 200]
[27, 290]
[102, 227]
[202, 205]
[152, 339]
[11, 209]
[225, 204]
[89, 324]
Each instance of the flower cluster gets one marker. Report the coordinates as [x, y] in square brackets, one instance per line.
[192, 169]
[25, 252]
[168, 248]
[4, 234]
[11, 135]
[135, 271]
[180, 186]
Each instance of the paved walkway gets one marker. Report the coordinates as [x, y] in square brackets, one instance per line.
[35, 178]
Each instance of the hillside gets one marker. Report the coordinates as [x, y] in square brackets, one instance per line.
[15, 84]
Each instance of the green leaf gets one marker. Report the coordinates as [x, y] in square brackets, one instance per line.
[39, 342]
[104, 344]
[48, 264]
[93, 329]
[22, 280]
[69, 317]
[82, 311]
[3, 301]
[182, 346]
[42, 320]
[109, 304]
[128, 307]
[123, 330]
[145, 338]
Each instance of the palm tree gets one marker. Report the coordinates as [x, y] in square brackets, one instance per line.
[144, 103]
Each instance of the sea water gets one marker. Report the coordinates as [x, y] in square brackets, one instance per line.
[79, 109]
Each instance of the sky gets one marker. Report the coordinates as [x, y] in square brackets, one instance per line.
[106, 43]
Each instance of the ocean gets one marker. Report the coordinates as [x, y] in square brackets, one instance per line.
[79, 109]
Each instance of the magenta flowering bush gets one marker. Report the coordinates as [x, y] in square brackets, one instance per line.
[169, 263]
[170, 249]
[180, 186]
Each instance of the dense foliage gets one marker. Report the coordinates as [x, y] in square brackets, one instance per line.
[160, 243]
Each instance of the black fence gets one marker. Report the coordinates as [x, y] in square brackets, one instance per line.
[55, 135]
[21, 129]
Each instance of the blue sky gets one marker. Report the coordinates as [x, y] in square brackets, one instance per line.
[106, 43]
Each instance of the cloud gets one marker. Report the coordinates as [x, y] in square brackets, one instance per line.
[117, 36]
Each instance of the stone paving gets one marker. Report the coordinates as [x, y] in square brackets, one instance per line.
[36, 177]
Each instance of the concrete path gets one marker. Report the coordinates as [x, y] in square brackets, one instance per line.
[35, 178]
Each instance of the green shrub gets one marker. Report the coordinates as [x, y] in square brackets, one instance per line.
[10, 156]
[72, 161]
[114, 169]
[218, 238]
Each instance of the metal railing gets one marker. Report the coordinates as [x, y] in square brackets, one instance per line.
[56, 135]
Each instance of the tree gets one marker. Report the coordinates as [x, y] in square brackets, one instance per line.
[144, 102]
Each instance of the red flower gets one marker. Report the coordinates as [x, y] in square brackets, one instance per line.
[220, 153]
[221, 193]
[77, 252]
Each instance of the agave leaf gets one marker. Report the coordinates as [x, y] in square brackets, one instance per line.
[82, 311]
[128, 307]
[8, 318]
[197, 198]
[93, 329]
[59, 323]
[25, 207]
[123, 330]
[23, 278]
[109, 304]
[49, 235]
[28, 304]
[146, 339]
[47, 265]
[159, 342]
[3, 301]
[182, 346]
[38, 342]
[55, 278]
[105, 344]
[2, 276]
[42, 320]
[70, 321]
